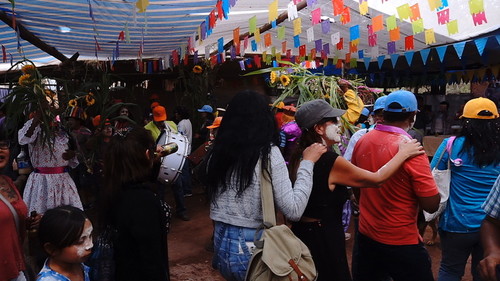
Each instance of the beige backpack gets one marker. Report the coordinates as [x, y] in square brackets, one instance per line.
[279, 255]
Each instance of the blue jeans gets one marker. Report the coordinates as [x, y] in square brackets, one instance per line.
[376, 261]
[232, 250]
[456, 249]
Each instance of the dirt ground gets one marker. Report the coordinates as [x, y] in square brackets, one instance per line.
[187, 242]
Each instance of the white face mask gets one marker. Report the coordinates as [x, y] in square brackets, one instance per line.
[332, 132]
[411, 124]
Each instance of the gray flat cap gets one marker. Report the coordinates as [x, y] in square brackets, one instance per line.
[311, 112]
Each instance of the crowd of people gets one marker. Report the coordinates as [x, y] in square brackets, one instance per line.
[382, 177]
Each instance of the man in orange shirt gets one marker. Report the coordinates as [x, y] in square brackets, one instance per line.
[389, 242]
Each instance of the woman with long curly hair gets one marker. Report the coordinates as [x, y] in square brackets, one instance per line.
[244, 148]
[475, 165]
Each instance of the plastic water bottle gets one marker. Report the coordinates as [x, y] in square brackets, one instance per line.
[23, 164]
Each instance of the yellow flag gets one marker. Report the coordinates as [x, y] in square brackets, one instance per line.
[363, 8]
[273, 11]
[297, 26]
[257, 35]
[429, 36]
[452, 27]
[142, 5]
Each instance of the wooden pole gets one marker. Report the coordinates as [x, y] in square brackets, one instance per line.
[32, 38]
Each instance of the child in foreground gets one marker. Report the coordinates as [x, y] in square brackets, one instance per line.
[66, 236]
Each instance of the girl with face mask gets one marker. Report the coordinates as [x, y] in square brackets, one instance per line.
[320, 226]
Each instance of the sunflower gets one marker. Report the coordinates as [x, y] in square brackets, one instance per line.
[26, 80]
[197, 69]
[274, 77]
[90, 100]
[27, 69]
[72, 103]
[285, 80]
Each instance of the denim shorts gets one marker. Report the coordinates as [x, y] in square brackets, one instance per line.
[232, 250]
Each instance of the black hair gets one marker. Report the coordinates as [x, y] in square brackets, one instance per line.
[126, 163]
[182, 111]
[61, 226]
[245, 136]
[482, 140]
[392, 117]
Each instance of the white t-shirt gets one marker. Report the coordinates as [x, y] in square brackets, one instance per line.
[186, 128]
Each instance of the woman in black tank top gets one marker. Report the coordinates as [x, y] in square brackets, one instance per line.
[320, 227]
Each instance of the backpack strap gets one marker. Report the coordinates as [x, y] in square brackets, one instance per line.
[267, 198]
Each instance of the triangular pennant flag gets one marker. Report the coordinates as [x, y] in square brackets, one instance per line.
[459, 48]
[380, 60]
[409, 57]
[394, 59]
[424, 53]
[367, 60]
[480, 44]
[498, 39]
[441, 50]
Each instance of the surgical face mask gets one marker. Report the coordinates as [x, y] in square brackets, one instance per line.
[411, 123]
[332, 132]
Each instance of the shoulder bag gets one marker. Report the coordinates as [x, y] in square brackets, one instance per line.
[442, 179]
[279, 255]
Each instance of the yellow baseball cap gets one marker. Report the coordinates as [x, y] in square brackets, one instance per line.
[480, 108]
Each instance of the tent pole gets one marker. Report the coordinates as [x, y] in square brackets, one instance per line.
[30, 37]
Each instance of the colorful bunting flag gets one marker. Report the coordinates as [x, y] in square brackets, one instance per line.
[354, 32]
[380, 61]
[257, 35]
[479, 18]
[345, 18]
[394, 34]
[297, 26]
[418, 26]
[267, 40]
[434, 4]
[441, 50]
[335, 38]
[340, 44]
[316, 16]
[372, 40]
[236, 36]
[378, 23]
[338, 7]
[302, 50]
[391, 23]
[459, 48]
[404, 11]
[318, 45]
[415, 13]
[409, 43]
[430, 37]
[254, 46]
[296, 41]
[409, 57]
[367, 60]
[480, 44]
[363, 8]
[273, 11]
[424, 53]
[326, 48]
[325, 26]
[281, 32]
[292, 11]
[452, 27]
[310, 34]
[443, 16]
[283, 47]
[476, 6]
[391, 47]
[353, 47]
[252, 25]
[394, 59]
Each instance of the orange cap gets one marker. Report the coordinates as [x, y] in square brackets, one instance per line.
[155, 104]
[159, 113]
[216, 123]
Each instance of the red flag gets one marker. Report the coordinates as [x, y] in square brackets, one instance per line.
[4, 54]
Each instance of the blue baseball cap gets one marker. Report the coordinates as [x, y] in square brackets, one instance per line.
[365, 112]
[401, 101]
[206, 108]
[379, 103]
